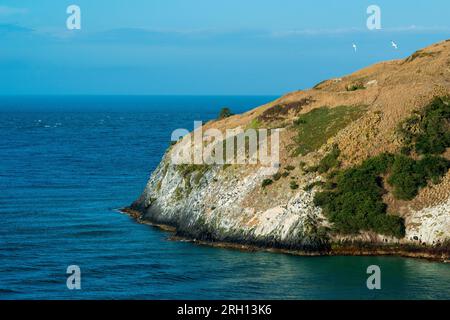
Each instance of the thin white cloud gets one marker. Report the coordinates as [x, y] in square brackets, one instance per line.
[413, 28]
[318, 32]
[144, 36]
[313, 32]
[9, 11]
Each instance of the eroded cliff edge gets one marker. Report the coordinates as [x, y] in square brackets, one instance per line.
[334, 127]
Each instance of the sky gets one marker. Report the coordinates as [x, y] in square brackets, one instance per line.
[203, 47]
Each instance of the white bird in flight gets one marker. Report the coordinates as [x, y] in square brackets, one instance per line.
[354, 47]
[394, 45]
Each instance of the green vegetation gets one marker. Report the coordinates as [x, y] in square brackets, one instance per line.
[285, 174]
[405, 179]
[428, 134]
[352, 198]
[276, 176]
[178, 194]
[188, 171]
[354, 201]
[330, 160]
[293, 185]
[310, 186]
[266, 182]
[311, 169]
[318, 125]
[280, 111]
[224, 113]
[198, 177]
[409, 175]
[254, 124]
[355, 86]
[290, 168]
[420, 54]
[428, 130]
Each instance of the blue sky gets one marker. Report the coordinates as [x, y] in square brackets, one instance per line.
[202, 46]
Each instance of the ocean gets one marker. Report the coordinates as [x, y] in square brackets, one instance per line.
[69, 163]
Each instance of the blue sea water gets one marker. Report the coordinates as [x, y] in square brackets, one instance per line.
[68, 163]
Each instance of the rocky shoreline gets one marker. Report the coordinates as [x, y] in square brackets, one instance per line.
[437, 254]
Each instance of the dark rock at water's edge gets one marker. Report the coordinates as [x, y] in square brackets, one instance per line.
[344, 248]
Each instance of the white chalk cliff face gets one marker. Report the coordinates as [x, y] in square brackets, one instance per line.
[429, 225]
[217, 208]
[216, 205]
[229, 203]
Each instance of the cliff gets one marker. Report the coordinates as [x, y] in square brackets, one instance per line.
[371, 126]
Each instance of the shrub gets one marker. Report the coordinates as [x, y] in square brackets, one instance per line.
[279, 111]
[300, 120]
[285, 174]
[355, 86]
[276, 176]
[330, 160]
[225, 113]
[310, 186]
[390, 224]
[409, 175]
[290, 168]
[428, 131]
[311, 169]
[433, 167]
[405, 178]
[294, 185]
[434, 136]
[267, 182]
[406, 150]
[379, 164]
[353, 200]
